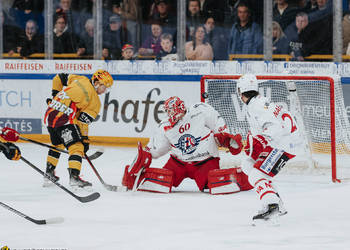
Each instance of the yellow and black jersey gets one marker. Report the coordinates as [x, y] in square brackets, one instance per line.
[77, 102]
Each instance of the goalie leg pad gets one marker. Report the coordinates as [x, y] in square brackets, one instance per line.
[128, 179]
[242, 179]
[202, 170]
[222, 181]
[272, 160]
[156, 180]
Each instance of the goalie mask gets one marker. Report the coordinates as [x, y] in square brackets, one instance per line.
[247, 83]
[175, 108]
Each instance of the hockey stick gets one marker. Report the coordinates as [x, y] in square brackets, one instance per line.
[94, 156]
[38, 222]
[83, 199]
[107, 186]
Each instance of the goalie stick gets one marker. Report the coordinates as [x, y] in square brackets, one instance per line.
[82, 199]
[38, 222]
[107, 186]
[94, 156]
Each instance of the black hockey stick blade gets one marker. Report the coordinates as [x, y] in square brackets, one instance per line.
[38, 222]
[97, 154]
[83, 199]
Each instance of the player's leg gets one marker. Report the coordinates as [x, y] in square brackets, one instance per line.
[201, 174]
[71, 137]
[179, 171]
[52, 157]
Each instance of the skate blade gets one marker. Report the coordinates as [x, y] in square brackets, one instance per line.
[273, 221]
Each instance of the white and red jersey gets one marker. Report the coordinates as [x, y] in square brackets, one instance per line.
[192, 137]
[275, 123]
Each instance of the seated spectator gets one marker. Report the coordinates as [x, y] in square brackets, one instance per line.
[199, 48]
[162, 14]
[346, 34]
[216, 38]
[194, 16]
[113, 38]
[32, 42]
[24, 10]
[11, 35]
[245, 36]
[86, 40]
[151, 45]
[128, 52]
[283, 13]
[63, 41]
[75, 20]
[168, 51]
[280, 41]
[292, 32]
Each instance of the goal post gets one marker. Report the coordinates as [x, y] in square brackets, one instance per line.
[316, 102]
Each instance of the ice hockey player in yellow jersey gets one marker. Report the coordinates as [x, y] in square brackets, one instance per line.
[75, 104]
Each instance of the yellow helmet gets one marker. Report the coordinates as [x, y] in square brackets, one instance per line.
[103, 77]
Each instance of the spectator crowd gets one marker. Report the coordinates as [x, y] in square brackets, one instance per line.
[147, 29]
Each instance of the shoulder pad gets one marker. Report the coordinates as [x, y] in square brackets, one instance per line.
[64, 78]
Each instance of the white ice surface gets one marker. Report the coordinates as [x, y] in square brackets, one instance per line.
[318, 212]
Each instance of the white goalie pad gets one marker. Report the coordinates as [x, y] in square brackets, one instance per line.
[156, 180]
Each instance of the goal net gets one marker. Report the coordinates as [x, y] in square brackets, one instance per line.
[315, 101]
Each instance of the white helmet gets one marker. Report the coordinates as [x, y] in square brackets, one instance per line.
[247, 82]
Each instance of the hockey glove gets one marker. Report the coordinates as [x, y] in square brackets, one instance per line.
[11, 151]
[232, 142]
[86, 143]
[255, 145]
[9, 134]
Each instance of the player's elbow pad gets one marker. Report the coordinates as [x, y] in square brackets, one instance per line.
[85, 118]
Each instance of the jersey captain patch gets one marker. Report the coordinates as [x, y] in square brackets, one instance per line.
[187, 143]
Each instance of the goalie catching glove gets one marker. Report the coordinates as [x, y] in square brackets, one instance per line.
[232, 142]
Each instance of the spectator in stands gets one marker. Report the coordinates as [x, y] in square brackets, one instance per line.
[32, 42]
[128, 52]
[323, 10]
[63, 41]
[292, 32]
[280, 41]
[11, 35]
[245, 36]
[151, 45]
[346, 34]
[216, 38]
[24, 10]
[163, 15]
[86, 41]
[131, 14]
[113, 38]
[214, 8]
[199, 48]
[194, 16]
[283, 13]
[168, 51]
[75, 20]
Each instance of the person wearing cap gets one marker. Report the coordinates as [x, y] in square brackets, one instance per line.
[128, 52]
[114, 38]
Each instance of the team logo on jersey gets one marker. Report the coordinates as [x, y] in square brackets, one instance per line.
[67, 136]
[188, 143]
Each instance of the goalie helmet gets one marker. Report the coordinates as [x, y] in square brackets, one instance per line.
[175, 108]
[247, 83]
[103, 77]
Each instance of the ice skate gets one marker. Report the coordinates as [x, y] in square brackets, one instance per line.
[270, 214]
[76, 182]
[50, 171]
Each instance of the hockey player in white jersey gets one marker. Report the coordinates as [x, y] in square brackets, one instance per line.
[273, 140]
[192, 136]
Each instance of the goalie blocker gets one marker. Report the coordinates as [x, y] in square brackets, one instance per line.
[139, 176]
